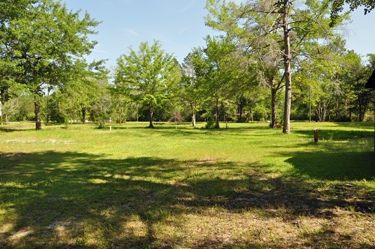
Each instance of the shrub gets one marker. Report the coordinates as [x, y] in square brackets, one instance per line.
[101, 124]
[30, 116]
[211, 124]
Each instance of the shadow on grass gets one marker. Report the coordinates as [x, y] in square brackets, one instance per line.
[14, 128]
[355, 124]
[334, 166]
[72, 199]
[336, 134]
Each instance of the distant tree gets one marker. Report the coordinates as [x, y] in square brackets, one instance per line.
[120, 92]
[189, 90]
[151, 74]
[9, 109]
[215, 71]
[355, 77]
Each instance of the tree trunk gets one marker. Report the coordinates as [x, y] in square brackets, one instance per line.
[122, 110]
[318, 112]
[71, 113]
[274, 105]
[240, 109]
[337, 109]
[47, 105]
[329, 115]
[240, 104]
[288, 74]
[310, 104]
[193, 118]
[38, 123]
[217, 112]
[6, 119]
[324, 112]
[151, 113]
[84, 115]
[18, 107]
[346, 108]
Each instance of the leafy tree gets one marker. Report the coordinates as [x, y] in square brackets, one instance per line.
[42, 45]
[355, 77]
[9, 109]
[151, 73]
[215, 71]
[275, 29]
[189, 90]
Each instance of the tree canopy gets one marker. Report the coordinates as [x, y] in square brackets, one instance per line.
[150, 73]
[42, 45]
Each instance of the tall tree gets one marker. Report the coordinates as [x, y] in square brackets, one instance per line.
[151, 73]
[42, 45]
[271, 27]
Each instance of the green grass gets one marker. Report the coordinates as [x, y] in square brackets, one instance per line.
[131, 187]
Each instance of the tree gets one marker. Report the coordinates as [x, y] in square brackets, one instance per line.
[42, 45]
[189, 89]
[151, 73]
[355, 77]
[85, 84]
[273, 28]
[120, 91]
[9, 108]
[215, 70]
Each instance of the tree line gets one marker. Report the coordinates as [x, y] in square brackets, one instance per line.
[276, 61]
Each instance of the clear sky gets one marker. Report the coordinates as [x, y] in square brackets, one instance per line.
[178, 24]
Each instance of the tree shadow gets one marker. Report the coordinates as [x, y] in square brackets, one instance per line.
[336, 134]
[368, 124]
[51, 198]
[13, 128]
[333, 166]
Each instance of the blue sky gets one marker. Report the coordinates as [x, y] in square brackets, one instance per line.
[178, 24]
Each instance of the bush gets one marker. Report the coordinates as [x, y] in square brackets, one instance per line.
[66, 122]
[101, 124]
[211, 124]
[369, 117]
[30, 116]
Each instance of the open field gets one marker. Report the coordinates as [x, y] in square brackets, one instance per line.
[248, 186]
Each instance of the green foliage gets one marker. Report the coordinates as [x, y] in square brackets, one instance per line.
[338, 7]
[269, 31]
[150, 76]
[211, 124]
[216, 72]
[101, 124]
[43, 44]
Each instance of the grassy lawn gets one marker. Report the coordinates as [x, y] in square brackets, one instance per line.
[131, 187]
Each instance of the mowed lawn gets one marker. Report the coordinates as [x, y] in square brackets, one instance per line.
[247, 186]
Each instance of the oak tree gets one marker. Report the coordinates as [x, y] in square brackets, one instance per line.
[151, 74]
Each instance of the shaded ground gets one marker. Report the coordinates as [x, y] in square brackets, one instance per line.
[66, 200]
